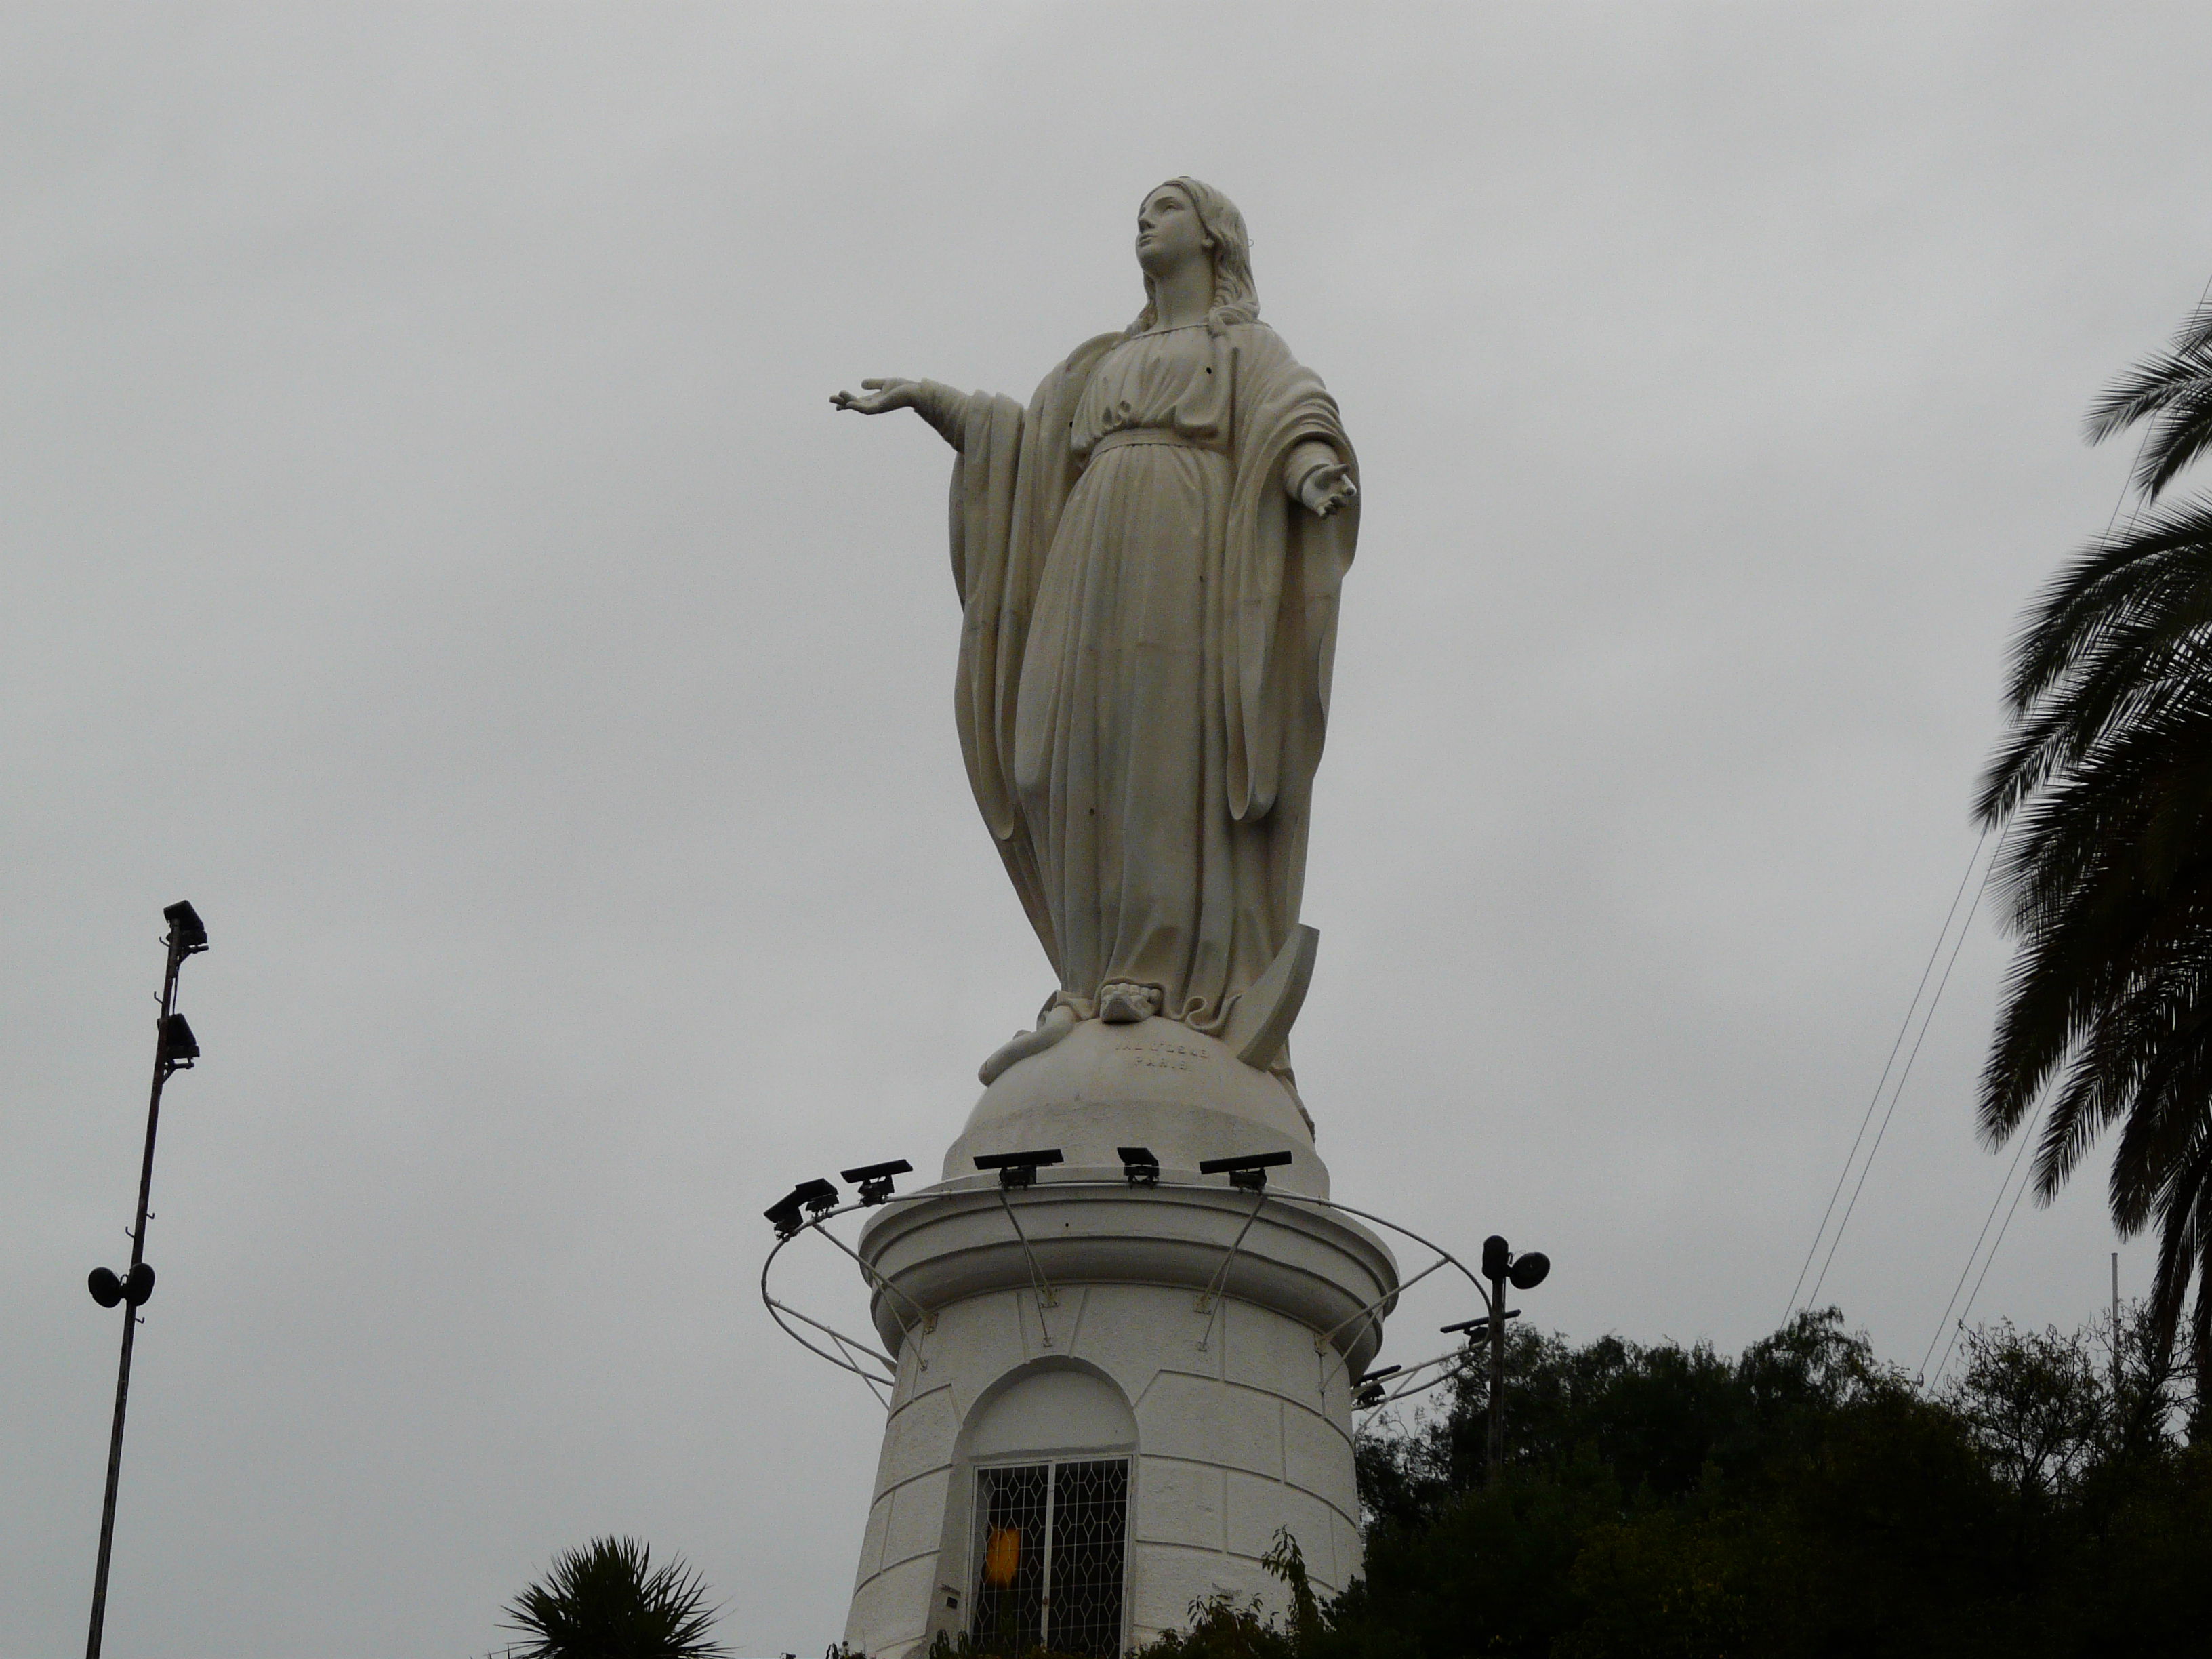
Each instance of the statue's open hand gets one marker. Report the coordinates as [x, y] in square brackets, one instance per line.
[878, 397]
[1327, 488]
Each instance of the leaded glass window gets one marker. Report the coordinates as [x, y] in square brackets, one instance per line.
[1050, 1543]
[1010, 1509]
[1090, 1527]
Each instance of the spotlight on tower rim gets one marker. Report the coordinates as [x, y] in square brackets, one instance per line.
[1140, 1164]
[1019, 1169]
[1249, 1171]
[817, 1197]
[875, 1179]
[1367, 1390]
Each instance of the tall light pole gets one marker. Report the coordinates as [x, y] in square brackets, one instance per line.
[174, 1050]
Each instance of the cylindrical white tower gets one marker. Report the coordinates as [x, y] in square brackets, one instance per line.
[1110, 1397]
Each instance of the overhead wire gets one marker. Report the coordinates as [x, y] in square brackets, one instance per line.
[1926, 1018]
[1958, 943]
[1959, 1328]
[1882, 1082]
[1972, 1255]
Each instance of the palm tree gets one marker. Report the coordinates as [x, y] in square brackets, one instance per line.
[605, 1602]
[2105, 784]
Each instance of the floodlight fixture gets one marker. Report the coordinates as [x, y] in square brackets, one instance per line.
[179, 1046]
[1368, 1390]
[108, 1287]
[1019, 1169]
[815, 1197]
[1477, 1329]
[875, 1179]
[1140, 1163]
[1249, 1171]
[187, 933]
[1529, 1270]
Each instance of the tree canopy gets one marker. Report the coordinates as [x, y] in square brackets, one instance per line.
[1798, 1499]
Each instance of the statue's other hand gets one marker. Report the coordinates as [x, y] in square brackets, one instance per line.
[878, 397]
[1327, 488]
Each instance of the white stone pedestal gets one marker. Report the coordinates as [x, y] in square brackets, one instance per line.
[1207, 1335]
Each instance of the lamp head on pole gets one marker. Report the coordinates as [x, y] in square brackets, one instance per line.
[187, 933]
[1529, 1269]
[179, 1048]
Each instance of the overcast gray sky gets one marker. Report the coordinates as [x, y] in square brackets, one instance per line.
[429, 548]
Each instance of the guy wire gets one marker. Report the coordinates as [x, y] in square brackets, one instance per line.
[1960, 1327]
[1875, 1100]
[1972, 1255]
[1903, 1077]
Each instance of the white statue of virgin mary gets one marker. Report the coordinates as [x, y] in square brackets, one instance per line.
[1148, 558]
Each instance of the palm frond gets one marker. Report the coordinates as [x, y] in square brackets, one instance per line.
[2184, 1248]
[2125, 825]
[2160, 1142]
[2103, 785]
[2097, 991]
[607, 1602]
[2107, 881]
[2173, 390]
[2128, 594]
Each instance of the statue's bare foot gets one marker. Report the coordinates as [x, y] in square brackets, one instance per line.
[1057, 1022]
[1124, 1004]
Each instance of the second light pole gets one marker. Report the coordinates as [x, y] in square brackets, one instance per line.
[1524, 1272]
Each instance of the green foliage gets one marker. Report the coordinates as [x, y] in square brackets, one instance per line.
[1801, 1500]
[606, 1601]
[1221, 1627]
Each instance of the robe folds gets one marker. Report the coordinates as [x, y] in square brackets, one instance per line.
[1148, 622]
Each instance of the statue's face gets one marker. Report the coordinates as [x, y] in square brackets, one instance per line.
[1168, 234]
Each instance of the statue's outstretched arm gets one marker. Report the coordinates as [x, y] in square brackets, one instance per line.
[1315, 475]
[935, 402]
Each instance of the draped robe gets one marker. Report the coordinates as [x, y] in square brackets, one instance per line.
[1148, 625]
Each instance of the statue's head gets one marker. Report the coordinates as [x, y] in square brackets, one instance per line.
[1184, 219]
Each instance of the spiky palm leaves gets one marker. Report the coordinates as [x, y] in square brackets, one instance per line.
[605, 1602]
[2107, 783]
[2173, 390]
